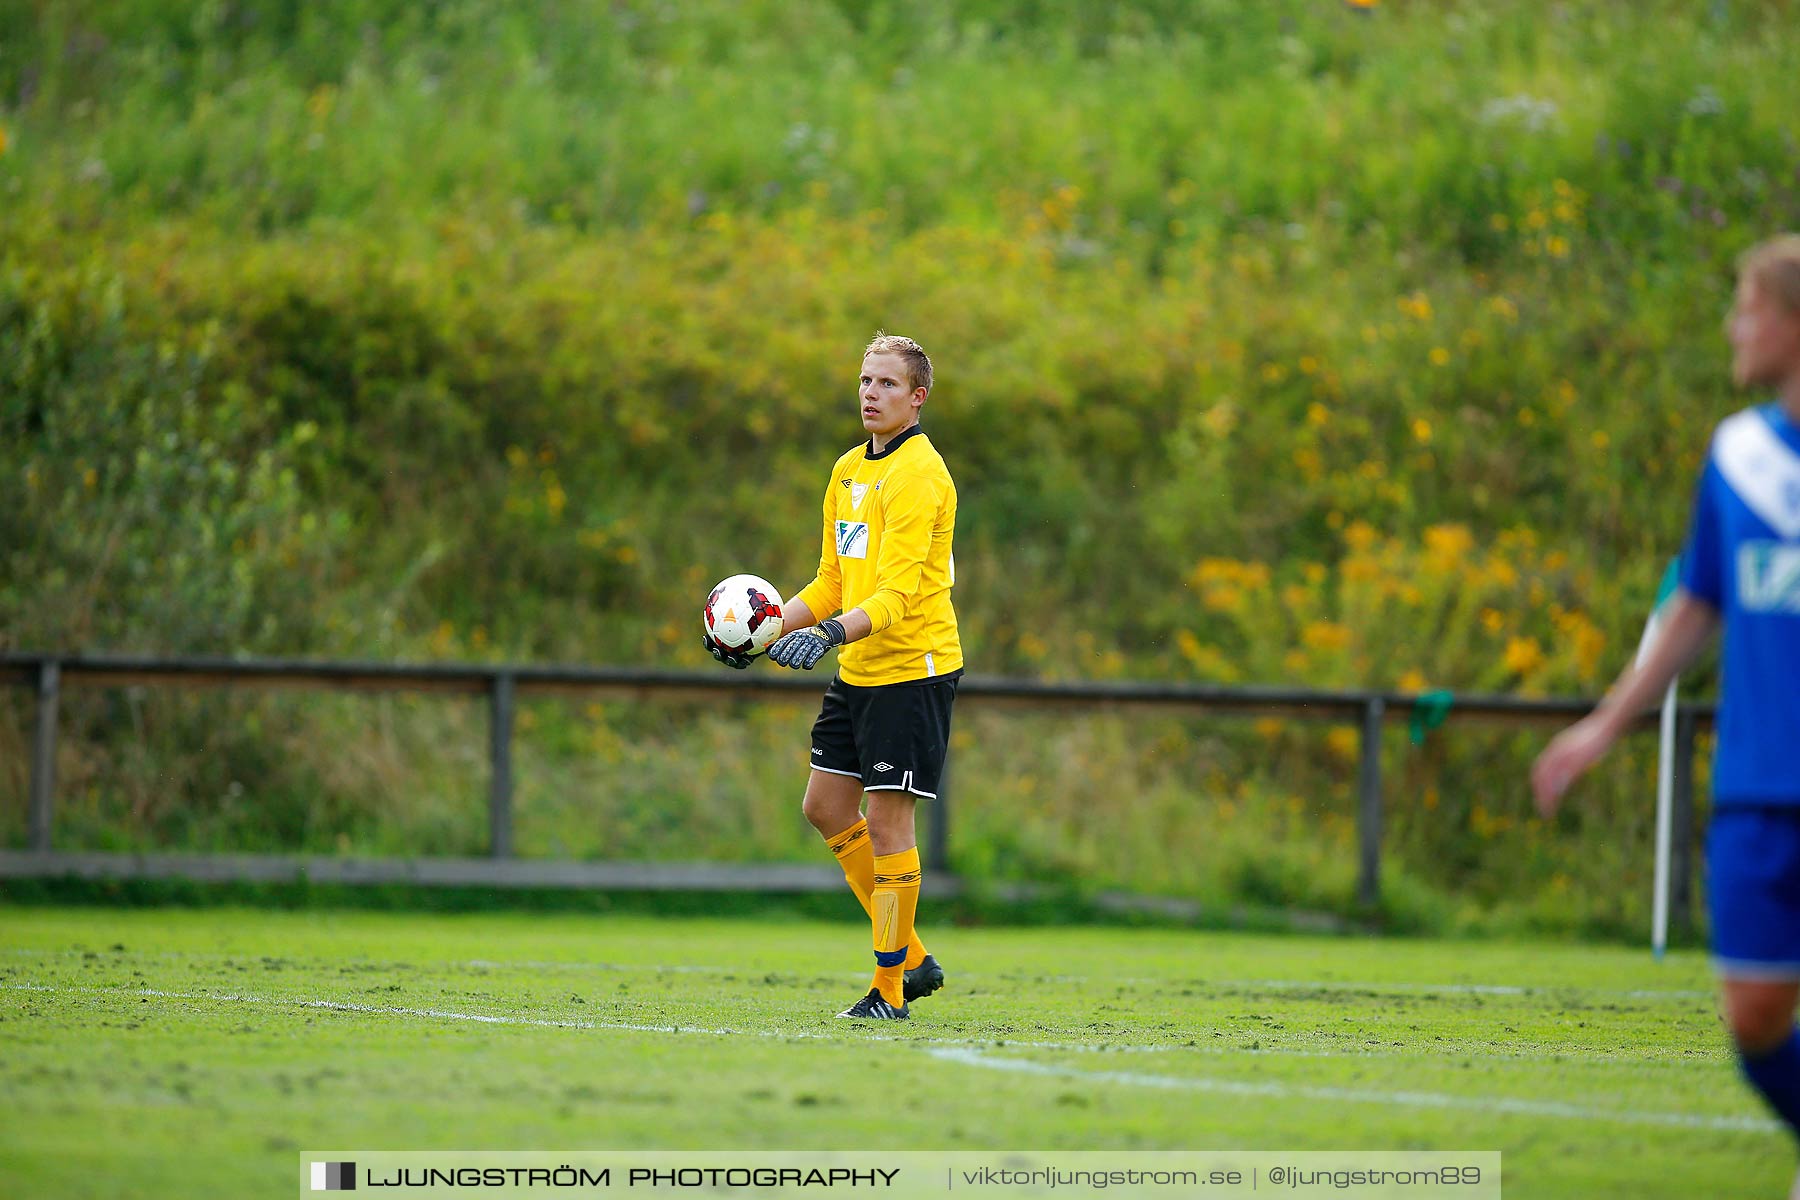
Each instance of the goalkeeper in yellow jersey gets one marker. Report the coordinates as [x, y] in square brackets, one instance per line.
[884, 725]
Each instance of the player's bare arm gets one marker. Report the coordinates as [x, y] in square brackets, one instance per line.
[1690, 624]
[796, 615]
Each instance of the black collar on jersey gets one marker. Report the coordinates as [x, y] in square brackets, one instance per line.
[869, 446]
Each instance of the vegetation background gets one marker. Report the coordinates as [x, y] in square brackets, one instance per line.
[1276, 343]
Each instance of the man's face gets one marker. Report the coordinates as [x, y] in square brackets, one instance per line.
[889, 402]
[1765, 339]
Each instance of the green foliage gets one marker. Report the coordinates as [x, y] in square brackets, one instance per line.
[473, 330]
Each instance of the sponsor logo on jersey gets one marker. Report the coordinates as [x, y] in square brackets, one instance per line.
[857, 492]
[1768, 577]
[853, 539]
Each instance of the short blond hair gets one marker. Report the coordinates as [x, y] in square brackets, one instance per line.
[918, 363]
[1774, 267]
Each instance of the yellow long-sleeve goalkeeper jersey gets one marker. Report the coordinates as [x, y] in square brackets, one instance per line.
[889, 521]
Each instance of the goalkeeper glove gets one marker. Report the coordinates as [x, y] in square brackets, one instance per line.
[731, 658]
[803, 648]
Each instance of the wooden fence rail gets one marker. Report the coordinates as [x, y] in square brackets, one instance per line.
[504, 685]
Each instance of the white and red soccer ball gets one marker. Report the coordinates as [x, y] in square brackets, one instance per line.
[743, 614]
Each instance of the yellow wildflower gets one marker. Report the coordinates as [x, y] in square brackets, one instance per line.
[1590, 646]
[1223, 598]
[1449, 541]
[1523, 655]
[1325, 635]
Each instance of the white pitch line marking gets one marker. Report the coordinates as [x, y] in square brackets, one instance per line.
[548, 1023]
[776, 1035]
[971, 1054]
[1297, 985]
[1233, 1087]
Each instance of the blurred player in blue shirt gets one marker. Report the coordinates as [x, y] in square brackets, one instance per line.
[1740, 570]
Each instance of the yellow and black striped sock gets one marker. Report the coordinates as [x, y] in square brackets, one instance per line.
[857, 858]
[892, 906]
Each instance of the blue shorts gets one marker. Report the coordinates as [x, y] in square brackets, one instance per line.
[1753, 890]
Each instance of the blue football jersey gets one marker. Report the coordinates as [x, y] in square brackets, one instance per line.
[1743, 558]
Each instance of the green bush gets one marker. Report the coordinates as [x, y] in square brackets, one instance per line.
[1275, 343]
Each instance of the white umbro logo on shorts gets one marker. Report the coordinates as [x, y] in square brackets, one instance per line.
[884, 766]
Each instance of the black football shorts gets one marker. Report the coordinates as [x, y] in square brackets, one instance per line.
[893, 737]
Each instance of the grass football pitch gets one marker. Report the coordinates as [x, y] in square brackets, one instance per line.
[195, 1052]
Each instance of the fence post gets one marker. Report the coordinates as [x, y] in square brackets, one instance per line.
[43, 753]
[500, 780]
[1681, 826]
[1368, 812]
[937, 838]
